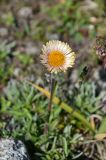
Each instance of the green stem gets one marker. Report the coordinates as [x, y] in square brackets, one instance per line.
[52, 86]
[66, 107]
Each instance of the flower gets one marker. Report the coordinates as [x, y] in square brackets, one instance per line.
[57, 56]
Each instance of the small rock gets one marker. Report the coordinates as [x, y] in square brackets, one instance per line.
[74, 76]
[93, 20]
[52, 36]
[3, 32]
[96, 75]
[17, 71]
[91, 27]
[32, 49]
[89, 5]
[25, 12]
[11, 149]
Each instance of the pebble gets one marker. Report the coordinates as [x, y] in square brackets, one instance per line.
[25, 12]
[32, 49]
[74, 76]
[3, 32]
[11, 149]
[17, 71]
[52, 36]
[89, 5]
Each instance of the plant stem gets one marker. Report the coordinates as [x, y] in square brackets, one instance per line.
[52, 86]
[66, 107]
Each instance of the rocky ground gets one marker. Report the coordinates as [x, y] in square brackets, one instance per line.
[11, 149]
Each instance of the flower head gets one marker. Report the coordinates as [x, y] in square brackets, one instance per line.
[57, 56]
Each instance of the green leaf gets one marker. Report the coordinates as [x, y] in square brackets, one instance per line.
[65, 146]
[66, 107]
[102, 128]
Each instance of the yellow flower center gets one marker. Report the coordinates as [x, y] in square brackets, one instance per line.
[56, 59]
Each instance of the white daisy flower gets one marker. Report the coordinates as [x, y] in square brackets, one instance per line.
[57, 56]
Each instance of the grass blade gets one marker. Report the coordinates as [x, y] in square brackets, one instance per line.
[64, 106]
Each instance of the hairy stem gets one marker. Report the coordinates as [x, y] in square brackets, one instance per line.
[52, 87]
